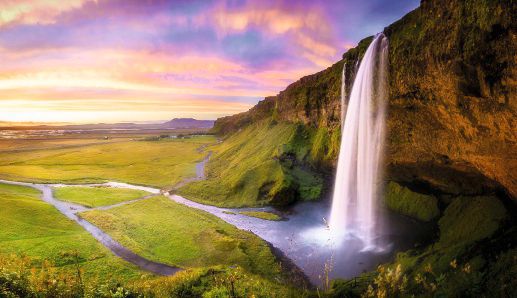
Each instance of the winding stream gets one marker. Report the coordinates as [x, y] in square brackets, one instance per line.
[302, 236]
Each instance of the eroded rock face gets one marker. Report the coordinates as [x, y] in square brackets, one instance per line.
[452, 114]
[452, 117]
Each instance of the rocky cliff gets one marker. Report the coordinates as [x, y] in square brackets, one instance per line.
[452, 112]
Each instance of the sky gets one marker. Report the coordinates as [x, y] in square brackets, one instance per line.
[90, 61]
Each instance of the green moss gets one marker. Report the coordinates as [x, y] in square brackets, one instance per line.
[402, 200]
[261, 164]
[470, 219]
[324, 145]
[466, 227]
[262, 215]
[501, 276]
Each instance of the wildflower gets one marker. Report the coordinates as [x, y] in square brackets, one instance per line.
[453, 264]
[466, 268]
[428, 268]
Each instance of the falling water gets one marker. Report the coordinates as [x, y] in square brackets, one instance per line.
[354, 204]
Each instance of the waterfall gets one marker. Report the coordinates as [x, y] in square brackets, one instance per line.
[354, 203]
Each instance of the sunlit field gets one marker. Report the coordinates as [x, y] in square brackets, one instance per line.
[158, 163]
[96, 196]
[33, 228]
[165, 231]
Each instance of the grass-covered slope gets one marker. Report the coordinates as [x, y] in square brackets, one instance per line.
[404, 201]
[31, 227]
[20, 279]
[262, 215]
[155, 163]
[260, 164]
[96, 196]
[165, 231]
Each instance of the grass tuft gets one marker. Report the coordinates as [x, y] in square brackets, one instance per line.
[262, 215]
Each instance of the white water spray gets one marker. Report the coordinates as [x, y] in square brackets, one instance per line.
[354, 204]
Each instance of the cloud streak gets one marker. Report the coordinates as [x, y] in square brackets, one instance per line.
[204, 58]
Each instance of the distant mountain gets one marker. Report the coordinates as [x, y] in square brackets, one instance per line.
[188, 123]
[175, 123]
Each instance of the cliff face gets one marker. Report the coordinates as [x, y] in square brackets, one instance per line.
[452, 120]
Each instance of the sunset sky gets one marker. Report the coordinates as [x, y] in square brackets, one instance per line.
[137, 60]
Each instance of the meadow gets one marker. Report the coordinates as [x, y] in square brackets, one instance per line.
[168, 232]
[262, 215]
[33, 228]
[96, 196]
[149, 161]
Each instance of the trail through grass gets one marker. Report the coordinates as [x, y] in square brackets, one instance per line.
[34, 228]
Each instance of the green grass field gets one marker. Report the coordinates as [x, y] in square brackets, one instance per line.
[164, 231]
[96, 196]
[10, 145]
[154, 163]
[261, 215]
[36, 229]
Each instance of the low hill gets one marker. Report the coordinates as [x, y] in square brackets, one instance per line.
[175, 123]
